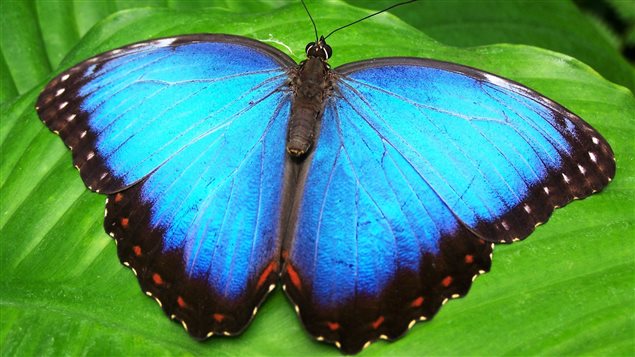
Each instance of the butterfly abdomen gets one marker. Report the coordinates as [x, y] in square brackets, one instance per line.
[310, 87]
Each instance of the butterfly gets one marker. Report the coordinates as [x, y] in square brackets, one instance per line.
[372, 192]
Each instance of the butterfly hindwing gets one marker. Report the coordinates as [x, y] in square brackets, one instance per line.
[187, 135]
[418, 165]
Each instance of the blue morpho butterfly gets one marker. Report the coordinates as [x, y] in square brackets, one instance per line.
[372, 192]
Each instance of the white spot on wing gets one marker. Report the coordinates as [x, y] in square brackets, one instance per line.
[595, 140]
[70, 117]
[158, 302]
[90, 155]
[60, 91]
[164, 41]
[210, 334]
[546, 189]
[582, 169]
[505, 225]
[527, 208]
[65, 77]
[496, 80]
[593, 157]
[81, 136]
[63, 105]
[566, 179]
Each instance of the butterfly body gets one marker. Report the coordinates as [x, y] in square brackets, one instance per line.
[371, 192]
[311, 87]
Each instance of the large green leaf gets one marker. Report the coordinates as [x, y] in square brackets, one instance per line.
[568, 289]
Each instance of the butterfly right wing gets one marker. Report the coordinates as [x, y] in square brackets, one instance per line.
[419, 166]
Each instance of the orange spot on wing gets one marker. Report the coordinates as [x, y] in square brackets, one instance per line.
[417, 302]
[181, 302]
[446, 281]
[469, 259]
[136, 250]
[218, 317]
[124, 222]
[332, 325]
[378, 322]
[118, 197]
[265, 274]
[157, 279]
[293, 275]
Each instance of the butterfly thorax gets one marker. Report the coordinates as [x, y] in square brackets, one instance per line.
[310, 85]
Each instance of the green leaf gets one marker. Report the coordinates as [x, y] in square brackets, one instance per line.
[568, 289]
[551, 24]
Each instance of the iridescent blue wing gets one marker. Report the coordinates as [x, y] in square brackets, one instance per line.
[187, 136]
[419, 166]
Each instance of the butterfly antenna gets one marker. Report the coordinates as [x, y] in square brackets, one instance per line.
[313, 22]
[363, 18]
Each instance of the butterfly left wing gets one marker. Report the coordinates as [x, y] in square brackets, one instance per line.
[418, 164]
[186, 135]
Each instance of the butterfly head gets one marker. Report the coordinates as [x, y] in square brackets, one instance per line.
[319, 49]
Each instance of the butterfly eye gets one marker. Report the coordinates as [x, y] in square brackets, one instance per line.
[308, 48]
[327, 50]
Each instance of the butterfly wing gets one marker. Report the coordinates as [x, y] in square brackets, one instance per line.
[127, 111]
[187, 136]
[418, 167]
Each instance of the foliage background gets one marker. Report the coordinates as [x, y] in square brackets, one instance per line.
[566, 290]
